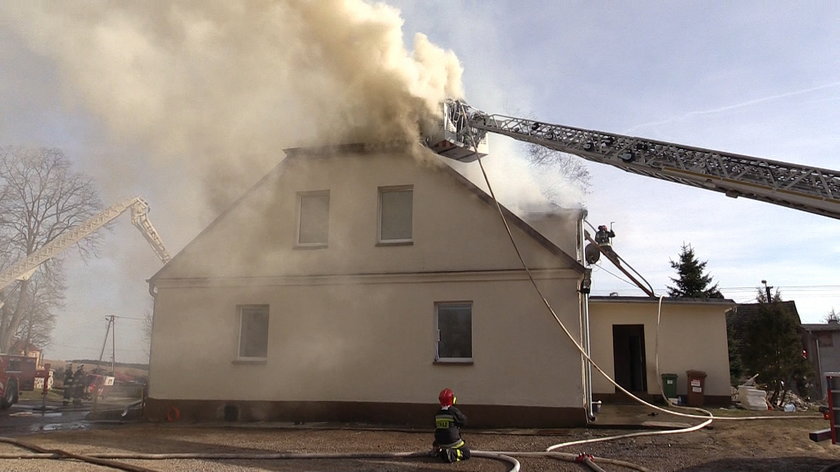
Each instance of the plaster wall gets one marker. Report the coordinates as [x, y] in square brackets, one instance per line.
[692, 336]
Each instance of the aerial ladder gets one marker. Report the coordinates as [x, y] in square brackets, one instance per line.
[463, 137]
[24, 268]
[806, 188]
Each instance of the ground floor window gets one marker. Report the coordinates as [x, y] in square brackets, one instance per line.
[454, 331]
[253, 332]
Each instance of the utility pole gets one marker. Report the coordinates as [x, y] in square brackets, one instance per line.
[767, 290]
[112, 328]
[113, 343]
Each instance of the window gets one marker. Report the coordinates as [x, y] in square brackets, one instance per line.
[313, 218]
[825, 338]
[395, 214]
[253, 332]
[454, 332]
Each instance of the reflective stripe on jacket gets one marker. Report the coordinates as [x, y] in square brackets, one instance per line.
[448, 423]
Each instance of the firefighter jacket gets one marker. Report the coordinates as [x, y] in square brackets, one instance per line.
[603, 236]
[448, 423]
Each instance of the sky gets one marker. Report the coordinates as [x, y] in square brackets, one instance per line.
[749, 77]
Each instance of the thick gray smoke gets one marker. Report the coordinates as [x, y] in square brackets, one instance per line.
[220, 87]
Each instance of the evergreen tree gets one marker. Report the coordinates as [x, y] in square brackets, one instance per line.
[692, 282]
[761, 296]
[734, 326]
[769, 343]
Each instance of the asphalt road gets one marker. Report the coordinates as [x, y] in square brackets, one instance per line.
[29, 417]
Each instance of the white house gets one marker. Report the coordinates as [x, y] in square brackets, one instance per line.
[354, 283]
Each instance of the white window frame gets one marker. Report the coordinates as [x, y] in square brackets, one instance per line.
[301, 196]
[242, 310]
[452, 360]
[397, 241]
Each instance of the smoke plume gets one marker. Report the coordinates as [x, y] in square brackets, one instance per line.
[220, 87]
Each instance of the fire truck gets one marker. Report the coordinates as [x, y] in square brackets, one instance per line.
[17, 373]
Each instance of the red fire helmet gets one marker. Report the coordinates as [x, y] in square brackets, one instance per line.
[446, 397]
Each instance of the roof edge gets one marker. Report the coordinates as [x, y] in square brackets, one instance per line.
[665, 300]
[348, 148]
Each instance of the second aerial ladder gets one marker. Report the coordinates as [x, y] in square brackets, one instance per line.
[139, 217]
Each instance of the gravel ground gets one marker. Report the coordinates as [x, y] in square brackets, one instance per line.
[779, 445]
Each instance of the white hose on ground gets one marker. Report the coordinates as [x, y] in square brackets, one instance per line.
[567, 457]
[632, 435]
[505, 456]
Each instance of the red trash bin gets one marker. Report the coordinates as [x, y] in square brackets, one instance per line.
[696, 387]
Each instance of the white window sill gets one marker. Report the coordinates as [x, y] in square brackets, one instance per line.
[459, 361]
[395, 243]
[250, 361]
[311, 246]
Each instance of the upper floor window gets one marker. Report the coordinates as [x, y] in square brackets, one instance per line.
[253, 333]
[395, 214]
[313, 218]
[454, 332]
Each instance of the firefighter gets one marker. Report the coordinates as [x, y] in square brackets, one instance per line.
[602, 237]
[79, 385]
[68, 385]
[448, 444]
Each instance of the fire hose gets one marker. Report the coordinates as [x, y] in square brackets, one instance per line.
[110, 459]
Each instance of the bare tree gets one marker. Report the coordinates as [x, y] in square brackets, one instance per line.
[570, 169]
[46, 292]
[42, 198]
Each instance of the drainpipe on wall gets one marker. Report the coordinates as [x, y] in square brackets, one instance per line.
[584, 289]
[587, 367]
[153, 291]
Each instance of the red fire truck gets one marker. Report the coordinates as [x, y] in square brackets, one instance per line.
[17, 373]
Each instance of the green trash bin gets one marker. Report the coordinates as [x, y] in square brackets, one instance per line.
[669, 385]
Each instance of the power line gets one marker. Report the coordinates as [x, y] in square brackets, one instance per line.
[787, 287]
[829, 289]
[129, 318]
[617, 276]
